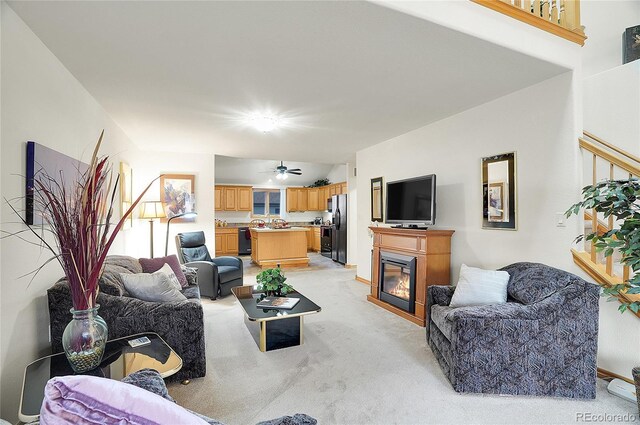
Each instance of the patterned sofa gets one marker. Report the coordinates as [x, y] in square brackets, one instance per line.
[542, 342]
[180, 324]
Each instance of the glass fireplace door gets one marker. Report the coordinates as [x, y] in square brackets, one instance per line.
[397, 280]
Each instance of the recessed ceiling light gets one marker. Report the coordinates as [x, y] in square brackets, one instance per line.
[264, 122]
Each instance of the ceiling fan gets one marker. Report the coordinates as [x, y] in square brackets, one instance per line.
[282, 171]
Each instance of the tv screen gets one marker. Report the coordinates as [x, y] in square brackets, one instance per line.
[412, 200]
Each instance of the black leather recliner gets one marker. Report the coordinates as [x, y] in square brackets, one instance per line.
[216, 276]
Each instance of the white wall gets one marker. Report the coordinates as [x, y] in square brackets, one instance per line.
[612, 106]
[338, 173]
[147, 166]
[604, 22]
[352, 215]
[43, 102]
[538, 123]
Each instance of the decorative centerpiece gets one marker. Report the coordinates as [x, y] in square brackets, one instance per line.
[79, 218]
[272, 282]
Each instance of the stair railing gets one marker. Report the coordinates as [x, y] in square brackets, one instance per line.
[559, 17]
[603, 270]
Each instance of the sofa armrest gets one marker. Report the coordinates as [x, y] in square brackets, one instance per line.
[227, 261]
[207, 277]
[439, 294]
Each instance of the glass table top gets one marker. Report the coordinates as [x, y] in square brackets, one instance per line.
[120, 360]
[250, 295]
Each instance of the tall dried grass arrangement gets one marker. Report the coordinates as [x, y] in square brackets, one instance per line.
[80, 221]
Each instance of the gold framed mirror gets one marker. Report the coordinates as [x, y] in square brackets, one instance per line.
[499, 195]
[376, 200]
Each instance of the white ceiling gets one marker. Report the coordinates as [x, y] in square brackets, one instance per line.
[344, 75]
[259, 172]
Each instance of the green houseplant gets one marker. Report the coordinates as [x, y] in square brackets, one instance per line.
[619, 199]
[78, 214]
[272, 282]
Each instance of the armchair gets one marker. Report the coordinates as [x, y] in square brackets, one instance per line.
[216, 276]
[542, 341]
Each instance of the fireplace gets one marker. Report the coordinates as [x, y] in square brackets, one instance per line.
[398, 280]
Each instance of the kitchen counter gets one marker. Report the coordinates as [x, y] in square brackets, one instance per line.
[286, 247]
[288, 229]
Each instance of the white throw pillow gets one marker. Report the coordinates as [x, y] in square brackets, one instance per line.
[166, 269]
[155, 287]
[480, 287]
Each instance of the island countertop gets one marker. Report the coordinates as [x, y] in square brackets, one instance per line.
[288, 229]
[279, 247]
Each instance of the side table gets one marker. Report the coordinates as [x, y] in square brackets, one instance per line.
[120, 360]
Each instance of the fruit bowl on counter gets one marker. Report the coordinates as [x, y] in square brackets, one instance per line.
[279, 224]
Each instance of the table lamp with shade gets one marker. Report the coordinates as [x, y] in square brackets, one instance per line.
[151, 210]
[183, 215]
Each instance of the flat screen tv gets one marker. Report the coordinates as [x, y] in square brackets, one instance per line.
[412, 201]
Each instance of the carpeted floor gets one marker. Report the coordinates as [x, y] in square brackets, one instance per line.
[359, 365]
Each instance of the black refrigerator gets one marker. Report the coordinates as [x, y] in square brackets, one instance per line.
[339, 229]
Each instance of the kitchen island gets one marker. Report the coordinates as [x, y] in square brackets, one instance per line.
[287, 247]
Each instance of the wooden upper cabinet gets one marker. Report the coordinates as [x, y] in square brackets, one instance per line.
[312, 197]
[332, 190]
[233, 198]
[303, 201]
[292, 199]
[217, 198]
[343, 189]
[244, 198]
[322, 199]
[230, 198]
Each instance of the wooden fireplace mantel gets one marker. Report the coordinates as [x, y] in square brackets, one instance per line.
[432, 249]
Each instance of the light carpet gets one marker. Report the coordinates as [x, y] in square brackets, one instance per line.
[359, 365]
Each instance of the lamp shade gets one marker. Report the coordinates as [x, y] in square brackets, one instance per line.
[151, 210]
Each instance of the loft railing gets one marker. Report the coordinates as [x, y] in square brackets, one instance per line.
[607, 162]
[559, 17]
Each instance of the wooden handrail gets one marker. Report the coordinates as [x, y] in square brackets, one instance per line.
[612, 147]
[628, 166]
[558, 17]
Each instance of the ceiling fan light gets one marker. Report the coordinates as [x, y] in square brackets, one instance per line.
[284, 176]
[279, 176]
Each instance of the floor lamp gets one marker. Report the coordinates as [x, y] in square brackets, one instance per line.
[184, 215]
[152, 210]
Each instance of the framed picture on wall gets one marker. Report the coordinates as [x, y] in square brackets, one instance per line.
[376, 200]
[126, 193]
[177, 192]
[631, 44]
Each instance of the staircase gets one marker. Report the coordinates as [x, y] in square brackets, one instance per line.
[604, 161]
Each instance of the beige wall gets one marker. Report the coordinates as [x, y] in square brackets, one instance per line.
[43, 102]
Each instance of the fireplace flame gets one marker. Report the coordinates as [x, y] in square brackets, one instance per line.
[401, 289]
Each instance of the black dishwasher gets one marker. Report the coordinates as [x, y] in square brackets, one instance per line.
[325, 241]
[244, 241]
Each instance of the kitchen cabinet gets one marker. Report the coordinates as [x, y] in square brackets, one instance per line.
[322, 199]
[313, 204]
[229, 195]
[316, 239]
[301, 199]
[245, 198]
[309, 238]
[292, 199]
[233, 198]
[217, 198]
[226, 241]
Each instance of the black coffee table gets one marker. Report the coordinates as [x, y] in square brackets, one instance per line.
[273, 329]
[119, 360]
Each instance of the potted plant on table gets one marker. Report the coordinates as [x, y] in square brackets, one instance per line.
[79, 215]
[619, 199]
[272, 282]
